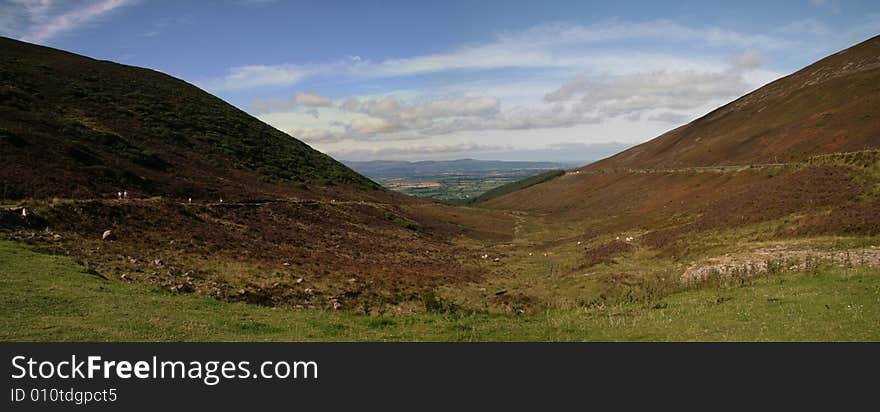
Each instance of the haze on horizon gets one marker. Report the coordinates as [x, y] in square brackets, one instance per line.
[566, 81]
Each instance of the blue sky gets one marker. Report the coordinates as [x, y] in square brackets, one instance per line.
[563, 80]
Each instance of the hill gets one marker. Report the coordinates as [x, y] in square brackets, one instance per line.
[518, 185]
[777, 180]
[830, 106]
[805, 141]
[270, 221]
[73, 126]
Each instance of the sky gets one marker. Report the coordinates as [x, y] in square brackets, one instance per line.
[568, 81]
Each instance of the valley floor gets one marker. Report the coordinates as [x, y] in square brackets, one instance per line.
[51, 298]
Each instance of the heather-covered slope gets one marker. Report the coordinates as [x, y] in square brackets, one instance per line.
[271, 220]
[830, 106]
[73, 126]
[797, 157]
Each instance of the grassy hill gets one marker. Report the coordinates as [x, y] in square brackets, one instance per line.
[77, 127]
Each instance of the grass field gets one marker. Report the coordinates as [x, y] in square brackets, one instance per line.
[460, 187]
[51, 298]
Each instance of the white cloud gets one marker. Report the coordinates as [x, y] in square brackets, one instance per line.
[666, 31]
[311, 99]
[247, 77]
[310, 102]
[613, 81]
[636, 94]
[312, 135]
[750, 60]
[391, 108]
[554, 46]
[832, 5]
[670, 117]
[39, 21]
[664, 96]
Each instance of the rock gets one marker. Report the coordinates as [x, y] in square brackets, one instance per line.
[299, 280]
[108, 235]
[56, 237]
[496, 260]
[123, 277]
[157, 262]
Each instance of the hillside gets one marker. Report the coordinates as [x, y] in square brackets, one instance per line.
[518, 185]
[773, 133]
[786, 175]
[72, 126]
[271, 221]
[830, 106]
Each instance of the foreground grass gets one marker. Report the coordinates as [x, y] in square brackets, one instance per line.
[50, 298]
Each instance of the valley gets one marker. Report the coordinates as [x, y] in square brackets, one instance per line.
[758, 221]
[457, 181]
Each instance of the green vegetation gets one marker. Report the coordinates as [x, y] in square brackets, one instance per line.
[50, 298]
[518, 185]
[456, 187]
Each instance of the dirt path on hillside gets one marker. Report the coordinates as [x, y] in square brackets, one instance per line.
[695, 169]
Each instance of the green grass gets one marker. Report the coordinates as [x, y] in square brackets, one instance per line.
[50, 298]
